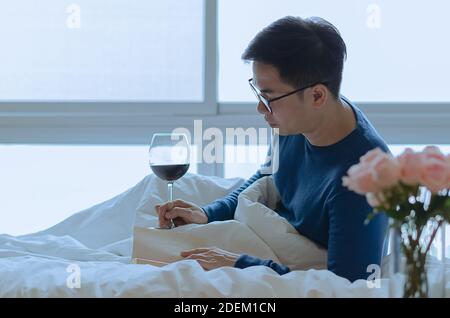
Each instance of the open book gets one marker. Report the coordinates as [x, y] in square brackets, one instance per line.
[160, 247]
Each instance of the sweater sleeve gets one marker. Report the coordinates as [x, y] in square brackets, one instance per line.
[352, 245]
[246, 261]
[223, 209]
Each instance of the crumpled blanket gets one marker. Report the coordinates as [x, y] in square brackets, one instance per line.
[89, 255]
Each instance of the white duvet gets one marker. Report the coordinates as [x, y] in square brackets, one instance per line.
[89, 254]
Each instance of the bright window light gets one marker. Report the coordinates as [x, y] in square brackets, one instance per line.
[111, 50]
[396, 51]
[43, 185]
[243, 161]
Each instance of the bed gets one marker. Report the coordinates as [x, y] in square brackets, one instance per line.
[93, 253]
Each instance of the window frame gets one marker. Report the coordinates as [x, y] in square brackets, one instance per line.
[95, 109]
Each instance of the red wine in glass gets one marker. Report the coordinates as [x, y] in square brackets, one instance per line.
[169, 158]
[170, 172]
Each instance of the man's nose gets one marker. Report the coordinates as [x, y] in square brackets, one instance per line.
[262, 109]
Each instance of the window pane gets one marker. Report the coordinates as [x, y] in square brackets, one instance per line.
[102, 50]
[398, 149]
[396, 50]
[242, 161]
[42, 185]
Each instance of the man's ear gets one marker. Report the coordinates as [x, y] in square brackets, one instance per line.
[319, 95]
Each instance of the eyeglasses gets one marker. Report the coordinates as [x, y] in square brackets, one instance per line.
[267, 101]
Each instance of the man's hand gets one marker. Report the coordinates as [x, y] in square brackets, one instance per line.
[211, 257]
[181, 212]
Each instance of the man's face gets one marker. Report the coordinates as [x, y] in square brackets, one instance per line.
[291, 115]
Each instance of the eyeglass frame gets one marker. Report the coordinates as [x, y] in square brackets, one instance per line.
[266, 102]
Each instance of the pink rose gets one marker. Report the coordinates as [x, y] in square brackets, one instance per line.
[371, 155]
[385, 170]
[448, 170]
[435, 172]
[373, 200]
[410, 166]
[360, 179]
[376, 170]
[433, 151]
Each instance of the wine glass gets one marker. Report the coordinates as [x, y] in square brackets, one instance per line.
[169, 156]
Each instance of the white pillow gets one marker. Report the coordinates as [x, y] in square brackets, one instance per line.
[255, 209]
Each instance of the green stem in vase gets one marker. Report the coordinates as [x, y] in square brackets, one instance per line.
[416, 283]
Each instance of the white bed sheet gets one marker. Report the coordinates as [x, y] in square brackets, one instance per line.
[98, 241]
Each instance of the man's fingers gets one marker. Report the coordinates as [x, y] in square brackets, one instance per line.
[166, 217]
[172, 204]
[182, 204]
[195, 251]
[166, 207]
[171, 210]
[163, 223]
[163, 210]
[202, 257]
[197, 257]
[205, 263]
[161, 218]
[175, 213]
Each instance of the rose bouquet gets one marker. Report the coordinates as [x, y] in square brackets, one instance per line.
[413, 190]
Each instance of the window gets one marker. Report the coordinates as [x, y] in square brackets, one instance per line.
[110, 72]
[43, 185]
[395, 48]
[102, 50]
[243, 161]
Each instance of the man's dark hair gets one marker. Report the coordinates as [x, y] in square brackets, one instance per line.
[304, 51]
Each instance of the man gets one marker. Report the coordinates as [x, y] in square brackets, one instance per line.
[297, 73]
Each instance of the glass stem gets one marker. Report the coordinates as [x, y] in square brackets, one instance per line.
[170, 188]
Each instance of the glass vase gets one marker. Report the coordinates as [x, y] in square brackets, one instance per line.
[414, 259]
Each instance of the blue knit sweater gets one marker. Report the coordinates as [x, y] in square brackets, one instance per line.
[317, 205]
